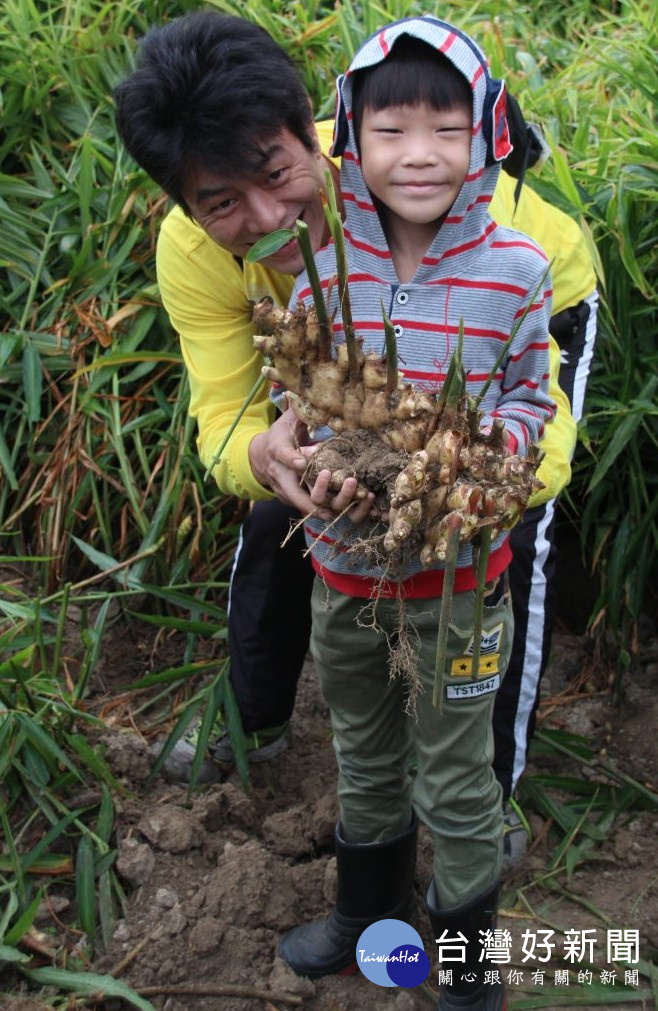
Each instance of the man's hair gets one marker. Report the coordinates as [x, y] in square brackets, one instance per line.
[209, 90]
[412, 73]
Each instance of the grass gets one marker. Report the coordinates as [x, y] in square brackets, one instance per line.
[105, 520]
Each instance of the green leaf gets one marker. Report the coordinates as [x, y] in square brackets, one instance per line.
[236, 734]
[93, 642]
[6, 464]
[105, 815]
[37, 855]
[32, 381]
[93, 761]
[50, 864]
[270, 244]
[45, 743]
[173, 674]
[13, 854]
[184, 625]
[25, 920]
[99, 558]
[24, 611]
[106, 909]
[85, 888]
[8, 954]
[184, 720]
[11, 907]
[624, 431]
[88, 983]
[215, 697]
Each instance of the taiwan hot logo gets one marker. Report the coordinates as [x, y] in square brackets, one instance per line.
[390, 953]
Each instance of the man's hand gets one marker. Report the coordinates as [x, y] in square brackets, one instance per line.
[278, 462]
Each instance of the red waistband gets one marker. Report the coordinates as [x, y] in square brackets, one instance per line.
[428, 583]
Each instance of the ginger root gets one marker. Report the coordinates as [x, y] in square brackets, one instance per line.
[424, 457]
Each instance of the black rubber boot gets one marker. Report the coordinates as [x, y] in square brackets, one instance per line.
[375, 882]
[469, 920]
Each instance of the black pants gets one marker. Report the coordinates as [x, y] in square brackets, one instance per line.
[270, 617]
[532, 572]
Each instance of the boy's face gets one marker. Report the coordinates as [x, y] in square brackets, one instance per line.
[415, 160]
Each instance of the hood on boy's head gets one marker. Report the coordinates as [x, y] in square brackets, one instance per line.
[490, 143]
[491, 137]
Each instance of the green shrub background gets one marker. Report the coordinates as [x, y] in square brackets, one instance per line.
[94, 442]
[102, 499]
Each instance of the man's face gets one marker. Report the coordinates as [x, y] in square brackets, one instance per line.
[237, 211]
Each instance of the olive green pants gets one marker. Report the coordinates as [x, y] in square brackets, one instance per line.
[454, 790]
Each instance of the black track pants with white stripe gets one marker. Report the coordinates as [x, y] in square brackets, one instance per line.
[532, 572]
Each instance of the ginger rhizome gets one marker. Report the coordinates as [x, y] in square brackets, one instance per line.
[422, 455]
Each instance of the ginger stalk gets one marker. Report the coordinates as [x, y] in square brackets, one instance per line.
[446, 610]
[482, 555]
[391, 352]
[515, 329]
[335, 223]
[324, 324]
[247, 400]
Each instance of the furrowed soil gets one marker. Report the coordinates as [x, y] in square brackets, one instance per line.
[213, 879]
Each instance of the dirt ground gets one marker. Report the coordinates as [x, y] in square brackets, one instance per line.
[213, 881]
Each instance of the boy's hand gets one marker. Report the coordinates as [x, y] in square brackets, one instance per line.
[331, 504]
[278, 459]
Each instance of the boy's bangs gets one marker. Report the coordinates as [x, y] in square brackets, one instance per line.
[412, 73]
[433, 81]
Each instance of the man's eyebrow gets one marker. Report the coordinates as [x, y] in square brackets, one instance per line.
[266, 155]
[210, 191]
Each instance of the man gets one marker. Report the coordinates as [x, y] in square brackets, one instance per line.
[216, 114]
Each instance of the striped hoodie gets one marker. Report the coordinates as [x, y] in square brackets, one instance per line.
[474, 270]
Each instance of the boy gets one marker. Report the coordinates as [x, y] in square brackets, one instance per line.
[421, 128]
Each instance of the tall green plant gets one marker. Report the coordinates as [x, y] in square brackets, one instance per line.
[605, 171]
[98, 477]
[92, 387]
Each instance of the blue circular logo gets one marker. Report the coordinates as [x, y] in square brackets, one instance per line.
[408, 965]
[390, 953]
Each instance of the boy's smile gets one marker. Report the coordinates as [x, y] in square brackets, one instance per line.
[414, 161]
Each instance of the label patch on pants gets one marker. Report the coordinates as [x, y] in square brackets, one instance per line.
[462, 666]
[473, 689]
[489, 642]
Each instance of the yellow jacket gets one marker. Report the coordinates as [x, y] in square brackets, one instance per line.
[208, 296]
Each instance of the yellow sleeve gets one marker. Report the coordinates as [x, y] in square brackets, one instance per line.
[558, 235]
[574, 279]
[559, 440]
[207, 295]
